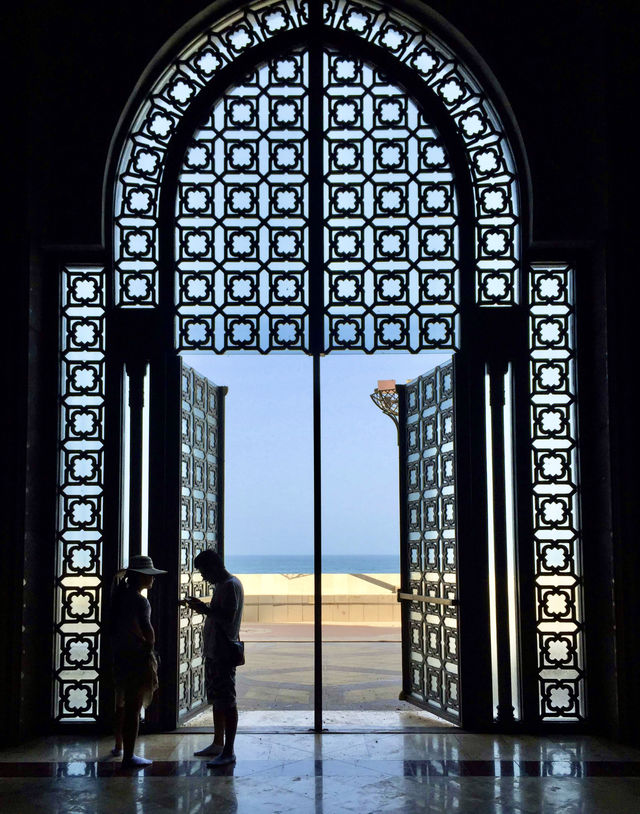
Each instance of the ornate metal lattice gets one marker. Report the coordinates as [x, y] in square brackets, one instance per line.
[241, 218]
[141, 164]
[391, 234]
[201, 520]
[556, 509]
[142, 160]
[489, 155]
[386, 399]
[390, 238]
[80, 494]
[431, 540]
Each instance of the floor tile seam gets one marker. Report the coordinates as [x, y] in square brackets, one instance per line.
[587, 762]
[366, 753]
[449, 767]
[355, 762]
[283, 780]
[286, 735]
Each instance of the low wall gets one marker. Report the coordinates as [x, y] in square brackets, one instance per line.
[347, 598]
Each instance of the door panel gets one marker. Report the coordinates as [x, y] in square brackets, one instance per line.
[201, 521]
[429, 542]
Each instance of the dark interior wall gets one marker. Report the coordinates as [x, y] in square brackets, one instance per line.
[623, 293]
[564, 68]
[548, 57]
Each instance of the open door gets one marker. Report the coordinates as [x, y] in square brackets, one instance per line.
[201, 522]
[428, 540]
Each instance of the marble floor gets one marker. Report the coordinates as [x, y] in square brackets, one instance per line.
[394, 773]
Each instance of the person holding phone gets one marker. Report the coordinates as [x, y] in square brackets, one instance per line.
[135, 669]
[220, 641]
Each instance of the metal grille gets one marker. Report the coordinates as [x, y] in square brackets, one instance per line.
[241, 218]
[489, 155]
[141, 164]
[431, 540]
[391, 234]
[201, 520]
[78, 587]
[556, 509]
[390, 242]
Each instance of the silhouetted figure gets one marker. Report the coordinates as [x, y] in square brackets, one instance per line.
[221, 632]
[135, 669]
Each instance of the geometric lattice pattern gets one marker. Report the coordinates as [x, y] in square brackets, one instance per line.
[391, 234]
[201, 507]
[556, 508]
[78, 587]
[143, 157]
[390, 238]
[489, 156]
[432, 542]
[241, 218]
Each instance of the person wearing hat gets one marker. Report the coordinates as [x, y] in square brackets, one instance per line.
[135, 669]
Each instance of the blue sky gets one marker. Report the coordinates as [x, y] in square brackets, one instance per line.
[269, 451]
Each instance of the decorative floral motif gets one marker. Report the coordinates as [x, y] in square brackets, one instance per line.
[556, 498]
[80, 492]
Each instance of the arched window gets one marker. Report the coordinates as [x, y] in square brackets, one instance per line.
[323, 178]
[431, 64]
[380, 266]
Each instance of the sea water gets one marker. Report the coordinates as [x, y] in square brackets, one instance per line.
[303, 563]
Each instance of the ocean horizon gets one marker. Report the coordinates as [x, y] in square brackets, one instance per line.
[303, 563]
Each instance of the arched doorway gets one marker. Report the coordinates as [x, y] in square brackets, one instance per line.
[377, 210]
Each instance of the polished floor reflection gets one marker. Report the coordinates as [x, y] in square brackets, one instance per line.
[427, 772]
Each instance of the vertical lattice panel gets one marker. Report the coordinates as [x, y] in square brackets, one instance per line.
[556, 510]
[489, 155]
[201, 504]
[241, 221]
[78, 587]
[391, 233]
[432, 540]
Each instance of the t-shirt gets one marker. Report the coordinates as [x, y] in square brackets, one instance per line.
[131, 616]
[227, 601]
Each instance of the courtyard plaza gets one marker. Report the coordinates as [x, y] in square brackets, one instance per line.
[361, 668]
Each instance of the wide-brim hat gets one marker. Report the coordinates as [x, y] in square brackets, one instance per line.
[142, 564]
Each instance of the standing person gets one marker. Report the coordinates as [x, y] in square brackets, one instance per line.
[221, 629]
[135, 669]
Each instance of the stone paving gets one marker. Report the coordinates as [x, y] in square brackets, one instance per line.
[356, 675]
[361, 669]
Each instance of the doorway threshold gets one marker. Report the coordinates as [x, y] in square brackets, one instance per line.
[259, 722]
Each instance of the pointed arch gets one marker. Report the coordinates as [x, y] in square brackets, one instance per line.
[453, 75]
[171, 96]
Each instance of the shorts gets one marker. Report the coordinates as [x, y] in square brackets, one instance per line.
[220, 684]
[135, 676]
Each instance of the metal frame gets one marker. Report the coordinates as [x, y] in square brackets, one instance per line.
[396, 33]
[436, 112]
[160, 321]
[483, 338]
